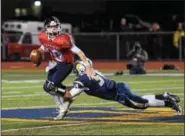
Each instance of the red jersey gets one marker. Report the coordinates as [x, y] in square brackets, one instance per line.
[59, 48]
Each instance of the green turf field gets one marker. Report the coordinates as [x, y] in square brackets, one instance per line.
[23, 90]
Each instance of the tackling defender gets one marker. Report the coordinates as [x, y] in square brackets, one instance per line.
[107, 89]
[62, 50]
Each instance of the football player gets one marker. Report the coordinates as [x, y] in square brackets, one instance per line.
[62, 50]
[107, 89]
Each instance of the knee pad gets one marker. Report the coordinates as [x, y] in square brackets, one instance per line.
[50, 88]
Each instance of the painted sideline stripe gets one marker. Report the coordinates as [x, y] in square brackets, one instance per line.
[131, 82]
[93, 123]
[37, 120]
[43, 94]
[44, 127]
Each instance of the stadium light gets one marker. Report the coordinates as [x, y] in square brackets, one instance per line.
[37, 3]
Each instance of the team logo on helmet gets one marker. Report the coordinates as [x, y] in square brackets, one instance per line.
[79, 68]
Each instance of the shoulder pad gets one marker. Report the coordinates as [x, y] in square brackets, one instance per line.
[42, 37]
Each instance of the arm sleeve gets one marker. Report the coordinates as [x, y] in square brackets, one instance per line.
[66, 42]
[77, 89]
[75, 49]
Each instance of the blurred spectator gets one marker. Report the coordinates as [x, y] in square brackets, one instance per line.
[178, 39]
[170, 23]
[126, 40]
[173, 22]
[124, 27]
[138, 57]
[155, 43]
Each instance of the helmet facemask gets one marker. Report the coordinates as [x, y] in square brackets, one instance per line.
[52, 26]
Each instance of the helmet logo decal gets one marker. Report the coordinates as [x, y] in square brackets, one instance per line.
[53, 23]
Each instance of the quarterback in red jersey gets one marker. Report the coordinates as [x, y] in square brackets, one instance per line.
[62, 50]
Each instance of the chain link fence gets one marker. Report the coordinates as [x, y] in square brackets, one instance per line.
[115, 46]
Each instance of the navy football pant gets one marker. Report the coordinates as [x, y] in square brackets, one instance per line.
[58, 74]
[128, 98]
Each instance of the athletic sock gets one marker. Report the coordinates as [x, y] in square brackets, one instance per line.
[58, 102]
[153, 102]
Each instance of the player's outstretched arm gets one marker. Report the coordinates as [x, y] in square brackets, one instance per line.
[73, 92]
[82, 56]
[77, 89]
[89, 69]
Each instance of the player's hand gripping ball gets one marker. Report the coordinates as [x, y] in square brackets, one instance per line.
[36, 57]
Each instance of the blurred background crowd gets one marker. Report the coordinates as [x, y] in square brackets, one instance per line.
[116, 26]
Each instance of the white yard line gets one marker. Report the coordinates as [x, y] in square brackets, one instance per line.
[26, 95]
[44, 127]
[153, 81]
[110, 74]
[52, 106]
[43, 94]
[22, 87]
[151, 89]
[12, 92]
[74, 105]
[40, 86]
[23, 81]
[129, 82]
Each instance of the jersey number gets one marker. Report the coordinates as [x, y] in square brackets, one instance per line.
[56, 53]
[99, 79]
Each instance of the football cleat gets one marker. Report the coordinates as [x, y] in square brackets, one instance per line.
[61, 115]
[174, 106]
[171, 97]
[177, 108]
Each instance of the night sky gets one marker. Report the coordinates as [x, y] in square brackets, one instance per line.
[141, 8]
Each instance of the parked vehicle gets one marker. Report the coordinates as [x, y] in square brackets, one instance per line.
[22, 37]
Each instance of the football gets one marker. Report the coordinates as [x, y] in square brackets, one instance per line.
[36, 57]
